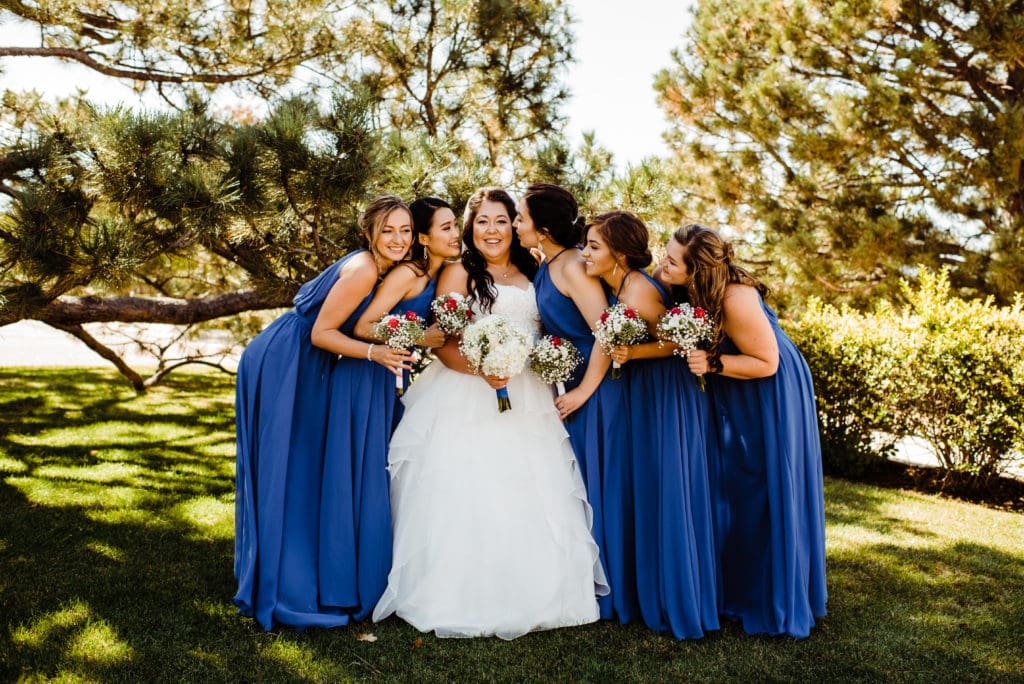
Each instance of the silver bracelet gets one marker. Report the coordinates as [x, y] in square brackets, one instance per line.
[369, 350]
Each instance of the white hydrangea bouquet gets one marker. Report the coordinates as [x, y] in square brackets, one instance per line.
[400, 331]
[688, 327]
[493, 345]
[619, 325]
[451, 312]
[553, 360]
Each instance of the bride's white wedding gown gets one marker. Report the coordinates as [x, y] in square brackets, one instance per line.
[490, 516]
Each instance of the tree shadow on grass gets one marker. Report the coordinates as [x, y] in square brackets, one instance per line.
[109, 588]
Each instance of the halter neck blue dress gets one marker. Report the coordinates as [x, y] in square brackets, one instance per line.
[355, 550]
[599, 436]
[283, 392]
[676, 569]
[772, 532]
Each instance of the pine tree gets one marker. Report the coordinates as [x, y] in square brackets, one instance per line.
[849, 142]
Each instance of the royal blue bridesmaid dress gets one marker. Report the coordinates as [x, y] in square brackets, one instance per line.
[773, 531]
[599, 436]
[283, 392]
[364, 410]
[676, 568]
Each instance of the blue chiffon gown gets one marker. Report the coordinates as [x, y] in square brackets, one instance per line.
[355, 549]
[772, 524]
[600, 438]
[283, 393]
[676, 569]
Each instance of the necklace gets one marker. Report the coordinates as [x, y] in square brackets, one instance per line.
[508, 271]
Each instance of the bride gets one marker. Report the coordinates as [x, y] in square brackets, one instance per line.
[491, 522]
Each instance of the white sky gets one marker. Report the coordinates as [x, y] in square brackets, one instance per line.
[619, 48]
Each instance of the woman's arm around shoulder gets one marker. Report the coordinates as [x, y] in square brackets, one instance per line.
[398, 284]
[642, 296]
[452, 279]
[356, 280]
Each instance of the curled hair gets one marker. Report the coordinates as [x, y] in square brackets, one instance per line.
[372, 221]
[709, 260]
[479, 282]
[422, 211]
[626, 236]
[555, 211]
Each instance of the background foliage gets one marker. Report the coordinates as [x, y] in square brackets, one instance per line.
[940, 368]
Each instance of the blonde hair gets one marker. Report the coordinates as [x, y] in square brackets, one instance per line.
[373, 219]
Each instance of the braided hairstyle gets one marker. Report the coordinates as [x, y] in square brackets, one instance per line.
[479, 282]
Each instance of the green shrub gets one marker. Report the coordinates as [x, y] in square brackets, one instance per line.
[961, 376]
[852, 368]
[941, 368]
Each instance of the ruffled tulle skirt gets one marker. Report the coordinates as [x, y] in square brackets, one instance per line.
[492, 530]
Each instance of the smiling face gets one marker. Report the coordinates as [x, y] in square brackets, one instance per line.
[527, 231]
[673, 265]
[492, 231]
[445, 238]
[598, 258]
[395, 236]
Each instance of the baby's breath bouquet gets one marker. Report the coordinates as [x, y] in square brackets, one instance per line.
[400, 331]
[553, 360]
[688, 327]
[619, 325]
[452, 312]
[493, 345]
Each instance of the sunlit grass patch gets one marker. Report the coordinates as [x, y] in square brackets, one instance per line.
[100, 472]
[11, 465]
[209, 516]
[106, 550]
[99, 643]
[88, 495]
[40, 629]
[113, 433]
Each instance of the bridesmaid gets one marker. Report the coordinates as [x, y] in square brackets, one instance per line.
[773, 533]
[355, 532]
[548, 219]
[282, 396]
[668, 421]
[437, 237]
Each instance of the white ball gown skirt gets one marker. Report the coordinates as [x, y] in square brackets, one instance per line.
[491, 521]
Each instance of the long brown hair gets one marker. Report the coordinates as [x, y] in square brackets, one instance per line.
[709, 260]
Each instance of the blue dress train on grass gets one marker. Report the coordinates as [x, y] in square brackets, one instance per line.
[772, 530]
[676, 571]
[598, 434]
[364, 410]
[283, 394]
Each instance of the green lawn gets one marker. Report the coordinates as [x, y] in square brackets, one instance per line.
[116, 564]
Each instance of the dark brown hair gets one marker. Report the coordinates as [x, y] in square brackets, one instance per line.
[626, 236]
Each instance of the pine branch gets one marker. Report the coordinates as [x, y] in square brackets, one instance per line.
[107, 353]
[150, 75]
[160, 374]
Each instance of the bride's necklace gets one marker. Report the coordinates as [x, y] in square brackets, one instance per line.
[506, 274]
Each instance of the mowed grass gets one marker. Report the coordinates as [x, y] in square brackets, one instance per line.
[116, 544]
